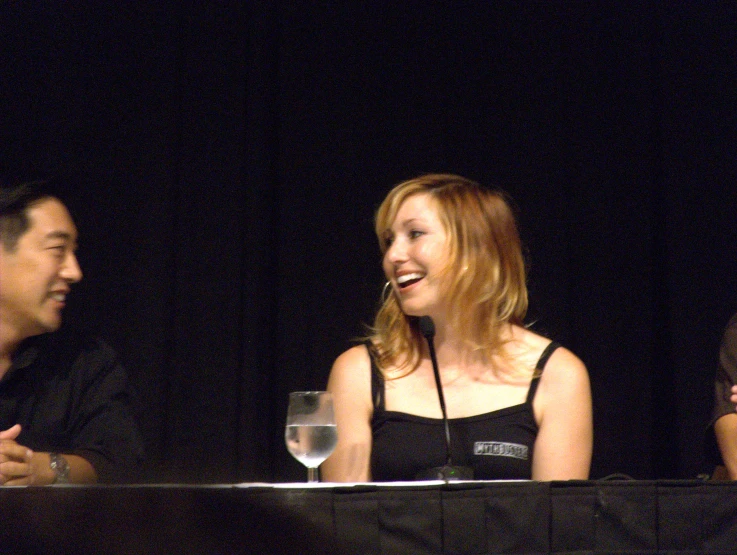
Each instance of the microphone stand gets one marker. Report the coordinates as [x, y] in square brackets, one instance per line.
[447, 472]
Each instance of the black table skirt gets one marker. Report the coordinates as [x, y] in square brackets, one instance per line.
[577, 517]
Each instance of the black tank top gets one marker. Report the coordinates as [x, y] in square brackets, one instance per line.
[497, 445]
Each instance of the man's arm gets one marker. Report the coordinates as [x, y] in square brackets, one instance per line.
[99, 438]
[725, 417]
[102, 429]
[20, 466]
[726, 431]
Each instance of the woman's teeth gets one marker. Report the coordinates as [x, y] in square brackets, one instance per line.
[406, 279]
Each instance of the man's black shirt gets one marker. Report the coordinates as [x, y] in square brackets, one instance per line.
[70, 394]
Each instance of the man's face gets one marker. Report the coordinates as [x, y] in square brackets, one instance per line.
[36, 276]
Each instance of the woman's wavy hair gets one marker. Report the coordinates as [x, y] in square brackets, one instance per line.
[486, 282]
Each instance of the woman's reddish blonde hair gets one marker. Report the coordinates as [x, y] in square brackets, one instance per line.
[486, 281]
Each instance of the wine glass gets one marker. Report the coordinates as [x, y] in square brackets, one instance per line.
[311, 433]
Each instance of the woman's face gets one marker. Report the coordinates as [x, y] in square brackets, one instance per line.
[416, 256]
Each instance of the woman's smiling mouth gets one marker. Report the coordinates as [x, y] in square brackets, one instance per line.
[408, 279]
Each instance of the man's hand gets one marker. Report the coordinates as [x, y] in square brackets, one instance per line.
[15, 460]
[10, 433]
[733, 398]
[19, 466]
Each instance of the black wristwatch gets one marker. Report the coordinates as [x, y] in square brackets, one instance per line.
[60, 466]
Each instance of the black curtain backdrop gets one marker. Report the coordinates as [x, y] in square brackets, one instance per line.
[224, 161]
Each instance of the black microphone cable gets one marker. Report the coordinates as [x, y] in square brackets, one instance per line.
[427, 329]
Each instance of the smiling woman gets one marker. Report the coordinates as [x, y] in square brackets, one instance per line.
[477, 259]
[415, 256]
[519, 404]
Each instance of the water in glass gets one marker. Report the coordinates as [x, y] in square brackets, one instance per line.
[311, 434]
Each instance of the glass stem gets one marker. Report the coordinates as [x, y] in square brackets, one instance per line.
[312, 475]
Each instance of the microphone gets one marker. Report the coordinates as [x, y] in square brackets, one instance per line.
[447, 472]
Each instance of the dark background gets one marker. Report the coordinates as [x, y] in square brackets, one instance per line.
[224, 161]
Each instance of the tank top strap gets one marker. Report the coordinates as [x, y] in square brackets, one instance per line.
[377, 380]
[539, 367]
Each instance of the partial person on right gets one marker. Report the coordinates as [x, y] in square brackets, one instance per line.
[724, 416]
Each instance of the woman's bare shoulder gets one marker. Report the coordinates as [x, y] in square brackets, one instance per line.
[355, 356]
[529, 339]
[564, 373]
[351, 368]
[561, 362]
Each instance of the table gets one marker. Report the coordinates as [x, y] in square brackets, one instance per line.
[524, 517]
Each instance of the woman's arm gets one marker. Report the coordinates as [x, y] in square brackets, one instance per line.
[350, 384]
[563, 410]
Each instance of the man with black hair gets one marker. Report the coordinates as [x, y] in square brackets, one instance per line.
[65, 412]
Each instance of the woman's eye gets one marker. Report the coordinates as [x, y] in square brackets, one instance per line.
[414, 234]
